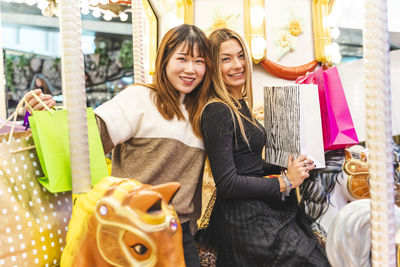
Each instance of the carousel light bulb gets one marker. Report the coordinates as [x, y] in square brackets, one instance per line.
[123, 16]
[114, 1]
[42, 4]
[107, 16]
[257, 15]
[335, 47]
[96, 13]
[85, 10]
[30, 2]
[335, 53]
[328, 50]
[335, 32]
[336, 58]
[258, 45]
[103, 2]
[93, 2]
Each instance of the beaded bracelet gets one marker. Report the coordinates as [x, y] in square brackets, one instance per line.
[288, 186]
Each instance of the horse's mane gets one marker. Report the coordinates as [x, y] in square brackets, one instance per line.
[84, 207]
[396, 161]
[349, 237]
[316, 189]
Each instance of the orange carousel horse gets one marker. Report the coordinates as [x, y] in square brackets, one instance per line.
[122, 222]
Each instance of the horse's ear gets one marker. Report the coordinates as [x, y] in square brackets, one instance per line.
[364, 157]
[145, 201]
[347, 154]
[167, 190]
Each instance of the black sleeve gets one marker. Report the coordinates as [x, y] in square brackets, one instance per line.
[269, 168]
[218, 133]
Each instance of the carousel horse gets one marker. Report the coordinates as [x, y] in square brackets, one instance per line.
[122, 222]
[349, 237]
[344, 179]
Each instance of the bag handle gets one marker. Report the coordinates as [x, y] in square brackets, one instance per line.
[39, 100]
[7, 120]
[22, 149]
[14, 115]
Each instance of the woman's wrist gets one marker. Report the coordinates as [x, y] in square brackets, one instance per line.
[282, 184]
[287, 185]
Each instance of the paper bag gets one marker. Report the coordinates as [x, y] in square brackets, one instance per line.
[337, 124]
[33, 221]
[292, 123]
[50, 134]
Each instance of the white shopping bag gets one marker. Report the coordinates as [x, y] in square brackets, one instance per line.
[292, 120]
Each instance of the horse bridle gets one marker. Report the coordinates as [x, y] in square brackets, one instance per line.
[358, 178]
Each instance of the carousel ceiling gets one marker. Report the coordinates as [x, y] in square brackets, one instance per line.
[114, 19]
[25, 14]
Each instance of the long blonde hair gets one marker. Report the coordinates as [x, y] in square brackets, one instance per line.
[166, 97]
[220, 92]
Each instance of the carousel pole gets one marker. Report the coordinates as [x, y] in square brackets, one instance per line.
[379, 132]
[139, 55]
[3, 98]
[73, 83]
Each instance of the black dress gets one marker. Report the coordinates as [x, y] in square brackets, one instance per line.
[250, 224]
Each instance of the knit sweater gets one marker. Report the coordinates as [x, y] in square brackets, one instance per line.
[152, 149]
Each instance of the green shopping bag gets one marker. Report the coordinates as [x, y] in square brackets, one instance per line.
[50, 135]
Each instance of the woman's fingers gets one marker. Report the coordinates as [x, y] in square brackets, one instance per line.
[301, 158]
[38, 106]
[299, 168]
[311, 166]
[290, 159]
[29, 96]
[35, 104]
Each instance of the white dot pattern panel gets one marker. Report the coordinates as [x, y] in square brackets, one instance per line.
[33, 221]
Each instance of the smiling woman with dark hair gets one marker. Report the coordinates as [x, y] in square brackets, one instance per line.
[154, 129]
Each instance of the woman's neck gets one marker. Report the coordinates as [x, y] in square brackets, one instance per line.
[236, 93]
[182, 98]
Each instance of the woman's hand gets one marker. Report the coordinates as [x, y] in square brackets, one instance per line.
[35, 104]
[298, 169]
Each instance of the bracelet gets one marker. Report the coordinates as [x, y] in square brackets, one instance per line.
[288, 186]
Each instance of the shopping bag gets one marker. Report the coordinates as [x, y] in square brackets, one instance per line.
[292, 123]
[33, 221]
[50, 135]
[337, 124]
[8, 125]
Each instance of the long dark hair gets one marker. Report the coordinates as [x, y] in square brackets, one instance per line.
[166, 97]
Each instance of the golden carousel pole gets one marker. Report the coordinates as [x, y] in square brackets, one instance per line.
[379, 132]
[73, 86]
[3, 98]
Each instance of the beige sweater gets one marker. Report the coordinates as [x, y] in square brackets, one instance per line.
[151, 149]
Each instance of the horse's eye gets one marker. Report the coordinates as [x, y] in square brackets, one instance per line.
[139, 248]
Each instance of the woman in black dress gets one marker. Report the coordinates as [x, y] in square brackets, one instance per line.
[256, 220]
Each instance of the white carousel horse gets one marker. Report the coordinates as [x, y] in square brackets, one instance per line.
[349, 237]
[344, 179]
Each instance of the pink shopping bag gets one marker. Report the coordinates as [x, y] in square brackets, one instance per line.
[337, 124]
